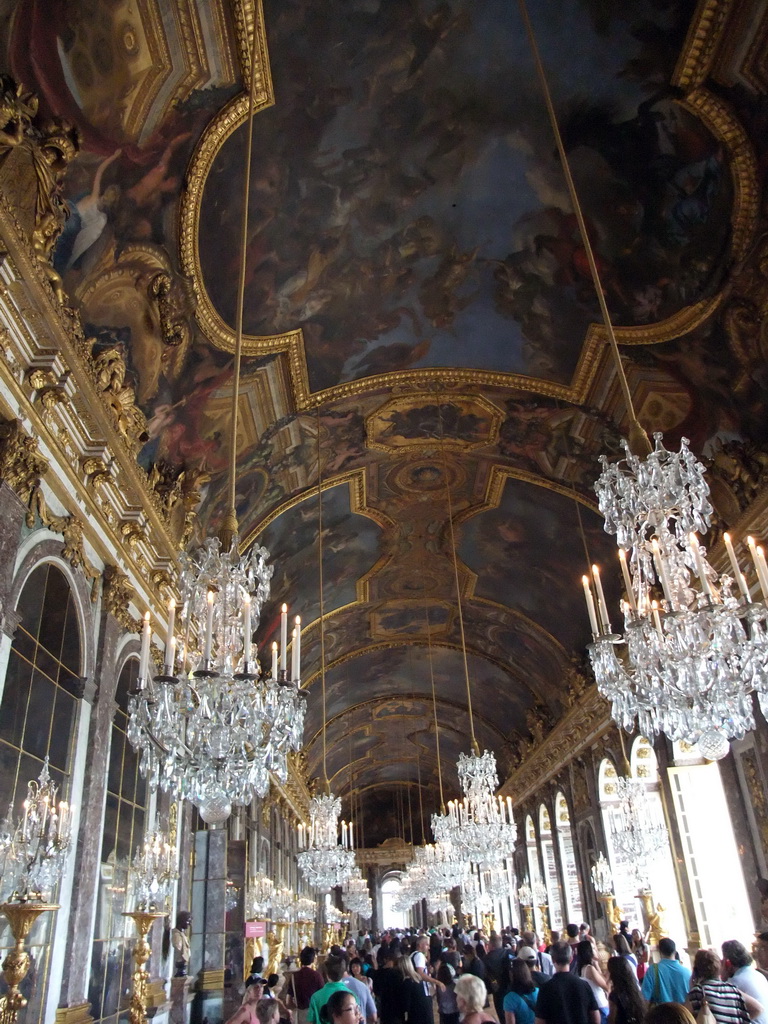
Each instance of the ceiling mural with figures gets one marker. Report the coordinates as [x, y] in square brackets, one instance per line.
[422, 337]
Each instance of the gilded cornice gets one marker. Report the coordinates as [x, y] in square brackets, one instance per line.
[700, 47]
[584, 723]
[721, 120]
[50, 382]
[391, 852]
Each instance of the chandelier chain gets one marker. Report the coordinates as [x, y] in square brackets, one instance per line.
[637, 435]
[241, 288]
[452, 537]
[322, 591]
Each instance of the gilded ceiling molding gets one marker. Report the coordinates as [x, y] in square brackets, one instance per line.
[593, 351]
[704, 35]
[584, 723]
[358, 494]
[392, 852]
[724, 125]
[49, 379]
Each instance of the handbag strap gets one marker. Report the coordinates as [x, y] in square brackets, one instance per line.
[656, 985]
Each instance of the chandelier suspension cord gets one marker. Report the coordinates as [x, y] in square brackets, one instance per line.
[322, 594]
[452, 536]
[434, 706]
[638, 438]
[421, 801]
[229, 527]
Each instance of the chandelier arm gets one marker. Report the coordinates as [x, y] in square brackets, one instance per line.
[638, 438]
[452, 536]
[229, 527]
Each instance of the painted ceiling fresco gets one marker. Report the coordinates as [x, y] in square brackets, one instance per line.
[421, 326]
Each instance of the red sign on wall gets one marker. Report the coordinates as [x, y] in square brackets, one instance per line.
[255, 929]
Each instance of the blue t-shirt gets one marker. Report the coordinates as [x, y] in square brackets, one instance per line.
[523, 1007]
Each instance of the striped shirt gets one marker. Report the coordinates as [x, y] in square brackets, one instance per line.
[725, 1002]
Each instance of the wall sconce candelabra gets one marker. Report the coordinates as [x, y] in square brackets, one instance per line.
[602, 880]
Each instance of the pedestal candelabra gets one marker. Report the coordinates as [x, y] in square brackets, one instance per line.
[21, 917]
[143, 919]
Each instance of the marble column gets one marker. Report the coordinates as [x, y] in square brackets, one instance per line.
[73, 1001]
[208, 940]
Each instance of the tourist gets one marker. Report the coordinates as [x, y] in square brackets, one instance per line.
[625, 1000]
[737, 966]
[566, 998]
[587, 968]
[335, 969]
[520, 1001]
[341, 1008]
[667, 981]
[471, 998]
[727, 1003]
[416, 992]
[447, 1005]
[304, 983]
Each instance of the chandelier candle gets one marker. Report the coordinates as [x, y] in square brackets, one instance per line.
[737, 573]
[602, 607]
[146, 635]
[284, 638]
[248, 632]
[590, 606]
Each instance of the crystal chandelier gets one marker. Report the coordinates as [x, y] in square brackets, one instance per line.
[306, 910]
[689, 666]
[153, 873]
[602, 877]
[355, 895]
[443, 866]
[213, 734]
[525, 895]
[440, 904]
[691, 663]
[495, 882]
[539, 893]
[261, 889]
[481, 827]
[33, 851]
[283, 905]
[636, 836]
[325, 860]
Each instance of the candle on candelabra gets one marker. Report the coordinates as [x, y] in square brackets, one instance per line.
[247, 628]
[284, 638]
[297, 673]
[274, 659]
[627, 580]
[146, 634]
[209, 628]
[737, 574]
[602, 606]
[169, 638]
[760, 577]
[590, 606]
[351, 841]
[293, 654]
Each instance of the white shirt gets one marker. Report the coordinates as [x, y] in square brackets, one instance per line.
[420, 963]
[753, 983]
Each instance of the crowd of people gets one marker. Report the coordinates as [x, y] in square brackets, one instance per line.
[403, 977]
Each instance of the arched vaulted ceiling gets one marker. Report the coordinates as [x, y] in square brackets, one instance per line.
[418, 311]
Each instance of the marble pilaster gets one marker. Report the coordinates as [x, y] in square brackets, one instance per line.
[74, 989]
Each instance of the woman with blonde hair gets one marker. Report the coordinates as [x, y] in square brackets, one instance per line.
[471, 997]
[416, 991]
[669, 1013]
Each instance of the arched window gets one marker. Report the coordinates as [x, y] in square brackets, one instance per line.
[38, 714]
[533, 867]
[125, 806]
[573, 905]
[661, 872]
[550, 870]
[390, 890]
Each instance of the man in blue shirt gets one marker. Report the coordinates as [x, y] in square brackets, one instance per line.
[667, 981]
